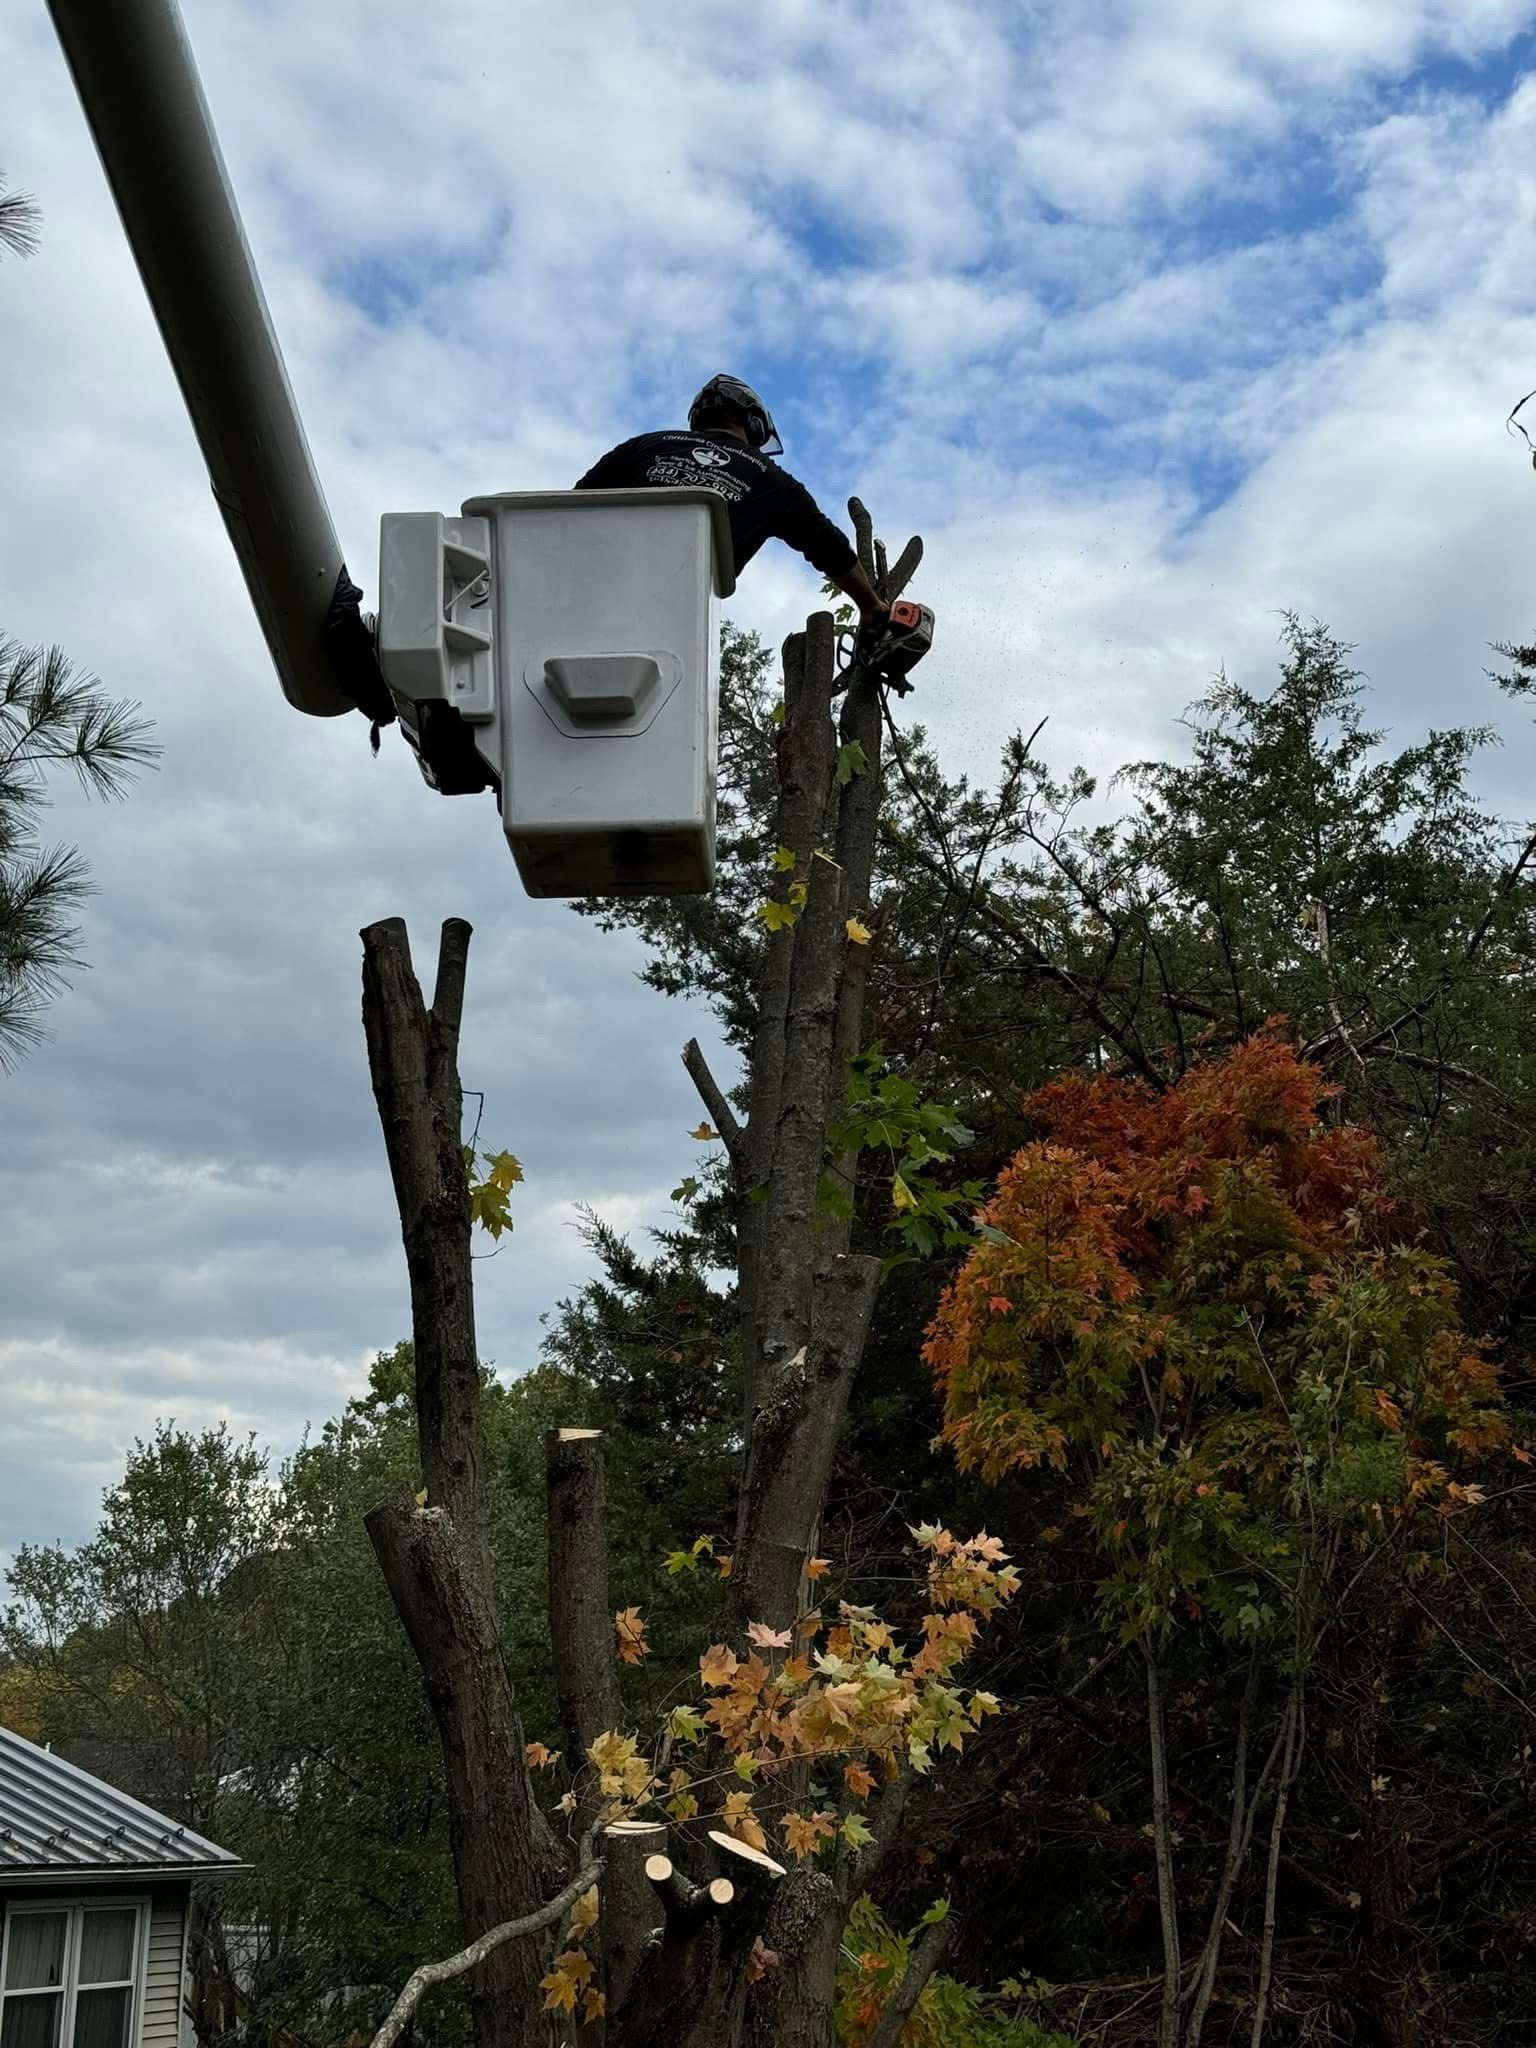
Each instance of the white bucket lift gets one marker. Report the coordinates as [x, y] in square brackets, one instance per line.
[577, 635]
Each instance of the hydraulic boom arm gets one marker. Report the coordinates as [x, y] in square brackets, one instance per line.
[137, 81]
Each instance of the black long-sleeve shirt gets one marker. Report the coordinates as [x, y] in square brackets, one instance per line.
[764, 502]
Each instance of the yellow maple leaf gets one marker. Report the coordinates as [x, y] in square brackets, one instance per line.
[725, 1564]
[717, 1665]
[569, 1975]
[503, 1171]
[567, 1803]
[704, 1132]
[584, 1914]
[802, 1831]
[594, 2004]
[859, 934]
[630, 1629]
[741, 1821]
[818, 1567]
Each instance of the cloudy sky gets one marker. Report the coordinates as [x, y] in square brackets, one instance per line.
[1155, 316]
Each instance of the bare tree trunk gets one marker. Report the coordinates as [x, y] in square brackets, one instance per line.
[436, 1557]
[1290, 1764]
[1239, 1836]
[1162, 1838]
[586, 1681]
[413, 1060]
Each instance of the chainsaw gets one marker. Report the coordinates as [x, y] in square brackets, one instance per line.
[890, 651]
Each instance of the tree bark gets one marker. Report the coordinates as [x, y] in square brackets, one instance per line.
[586, 1680]
[436, 1558]
[927, 1953]
[792, 2005]
[501, 1869]
[793, 1441]
[413, 1060]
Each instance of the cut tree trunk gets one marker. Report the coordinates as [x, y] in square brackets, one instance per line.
[436, 1556]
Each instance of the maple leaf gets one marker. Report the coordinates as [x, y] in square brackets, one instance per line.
[717, 1665]
[488, 1206]
[776, 916]
[584, 1914]
[741, 1821]
[569, 1975]
[818, 1567]
[567, 1803]
[594, 2004]
[1000, 1305]
[704, 1132]
[842, 1702]
[630, 1630]
[503, 1171]
[724, 1565]
[803, 1831]
[856, 1831]
[540, 1758]
[767, 1638]
[1391, 1415]
[859, 1781]
[610, 1751]
[859, 934]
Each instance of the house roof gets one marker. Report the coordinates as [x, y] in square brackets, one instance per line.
[57, 1819]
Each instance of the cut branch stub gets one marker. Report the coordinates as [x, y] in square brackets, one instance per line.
[682, 1899]
[630, 1912]
[580, 1618]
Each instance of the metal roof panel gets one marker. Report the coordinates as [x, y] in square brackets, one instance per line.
[54, 1816]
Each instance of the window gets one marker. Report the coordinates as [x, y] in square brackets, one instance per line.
[68, 1975]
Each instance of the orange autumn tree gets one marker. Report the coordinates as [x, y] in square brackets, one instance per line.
[1199, 1307]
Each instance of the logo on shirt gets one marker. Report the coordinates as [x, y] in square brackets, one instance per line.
[710, 458]
[675, 474]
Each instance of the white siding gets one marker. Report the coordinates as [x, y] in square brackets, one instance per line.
[160, 2023]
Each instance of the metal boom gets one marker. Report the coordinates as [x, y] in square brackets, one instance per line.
[134, 71]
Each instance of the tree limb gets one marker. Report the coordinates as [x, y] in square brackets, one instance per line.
[927, 1953]
[422, 1980]
[712, 1096]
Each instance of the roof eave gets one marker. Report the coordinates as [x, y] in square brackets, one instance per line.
[59, 1876]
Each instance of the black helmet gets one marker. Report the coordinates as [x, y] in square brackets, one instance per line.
[728, 398]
